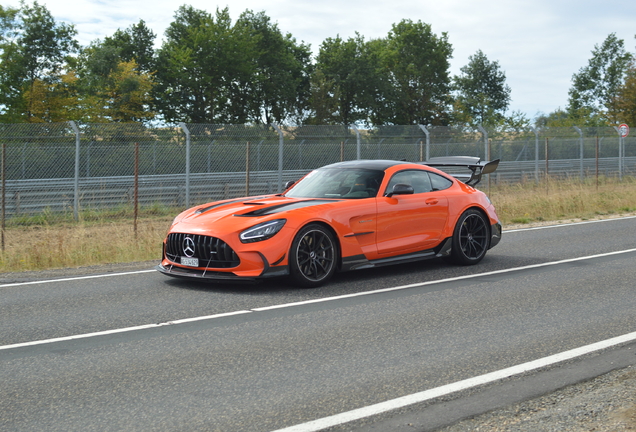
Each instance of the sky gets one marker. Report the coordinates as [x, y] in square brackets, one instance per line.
[539, 44]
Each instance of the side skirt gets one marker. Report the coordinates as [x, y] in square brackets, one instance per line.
[359, 262]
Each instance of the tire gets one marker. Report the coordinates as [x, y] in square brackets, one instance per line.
[471, 238]
[313, 256]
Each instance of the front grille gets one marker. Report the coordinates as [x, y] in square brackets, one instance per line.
[211, 251]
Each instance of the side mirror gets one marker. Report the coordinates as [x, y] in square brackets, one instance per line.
[289, 184]
[401, 189]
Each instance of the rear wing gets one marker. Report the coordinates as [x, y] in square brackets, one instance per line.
[474, 164]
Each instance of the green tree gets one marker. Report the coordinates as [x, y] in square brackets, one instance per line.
[34, 48]
[624, 105]
[8, 23]
[277, 89]
[344, 83]
[595, 86]
[200, 67]
[135, 43]
[56, 101]
[416, 62]
[114, 86]
[128, 93]
[482, 95]
[557, 118]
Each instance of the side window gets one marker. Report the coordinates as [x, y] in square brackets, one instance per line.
[439, 183]
[419, 180]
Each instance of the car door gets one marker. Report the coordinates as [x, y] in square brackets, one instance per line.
[409, 223]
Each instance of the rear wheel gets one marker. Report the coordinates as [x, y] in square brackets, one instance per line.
[470, 238]
[313, 256]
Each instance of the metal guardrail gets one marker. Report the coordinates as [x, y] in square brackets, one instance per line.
[27, 197]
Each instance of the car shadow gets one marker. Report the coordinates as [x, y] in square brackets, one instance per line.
[352, 281]
[234, 287]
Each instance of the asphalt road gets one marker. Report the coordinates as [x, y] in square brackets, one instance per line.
[263, 368]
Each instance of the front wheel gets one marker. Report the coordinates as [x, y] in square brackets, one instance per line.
[313, 256]
[470, 238]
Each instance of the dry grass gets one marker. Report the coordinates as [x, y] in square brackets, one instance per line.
[73, 245]
[558, 200]
[38, 246]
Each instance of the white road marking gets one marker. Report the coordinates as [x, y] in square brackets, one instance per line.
[120, 330]
[568, 224]
[76, 278]
[444, 390]
[301, 303]
[440, 281]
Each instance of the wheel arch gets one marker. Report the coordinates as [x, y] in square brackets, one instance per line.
[333, 232]
[484, 213]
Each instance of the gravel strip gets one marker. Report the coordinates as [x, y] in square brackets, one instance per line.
[605, 403]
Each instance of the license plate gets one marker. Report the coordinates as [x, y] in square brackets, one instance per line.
[190, 262]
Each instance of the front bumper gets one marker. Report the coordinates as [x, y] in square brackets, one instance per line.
[170, 269]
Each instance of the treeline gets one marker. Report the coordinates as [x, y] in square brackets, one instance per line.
[209, 69]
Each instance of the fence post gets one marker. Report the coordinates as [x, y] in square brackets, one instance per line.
[77, 169]
[428, 141]
[576, 128]
[620, 153]
[547, 170]
[536, 154]
[185, 129]
[136, 190]
[4, 185]
[596, 159]
[485, 133]
[486, 150]
[358, 144]
[280, 157]
[247, 169]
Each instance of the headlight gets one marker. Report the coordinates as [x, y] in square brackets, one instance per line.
[262, 231]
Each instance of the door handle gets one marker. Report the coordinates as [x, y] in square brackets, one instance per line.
[432, 201]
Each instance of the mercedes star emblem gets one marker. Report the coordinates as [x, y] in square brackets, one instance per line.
[188, 247]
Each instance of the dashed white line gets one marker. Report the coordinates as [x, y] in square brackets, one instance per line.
[75, 278]
[120, 330]
[306, 302]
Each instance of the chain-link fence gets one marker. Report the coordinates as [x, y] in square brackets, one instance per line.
[65, 169]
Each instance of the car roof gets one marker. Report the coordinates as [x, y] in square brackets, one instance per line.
[374, 164]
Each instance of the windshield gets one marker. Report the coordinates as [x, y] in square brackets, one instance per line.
[353, 183]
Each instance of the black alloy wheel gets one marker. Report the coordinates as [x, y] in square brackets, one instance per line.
[471, 238]
[313, 256]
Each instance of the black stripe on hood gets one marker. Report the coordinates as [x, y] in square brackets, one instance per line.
[284, 207]
[244, 201]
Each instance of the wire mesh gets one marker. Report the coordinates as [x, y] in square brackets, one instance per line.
[47, 174]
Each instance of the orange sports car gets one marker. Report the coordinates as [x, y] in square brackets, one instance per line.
[346, 216]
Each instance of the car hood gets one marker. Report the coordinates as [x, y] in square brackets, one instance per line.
[239, 213]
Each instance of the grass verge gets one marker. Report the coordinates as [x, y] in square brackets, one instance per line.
[564, 200]
[40, 243]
